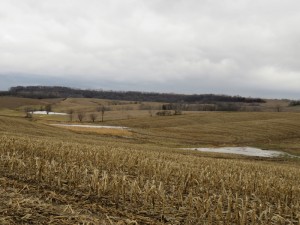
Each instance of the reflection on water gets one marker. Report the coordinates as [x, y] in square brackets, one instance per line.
[49, 113]
[89, 126]
[249, 151]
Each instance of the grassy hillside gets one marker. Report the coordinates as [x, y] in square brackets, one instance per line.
[266, 130]
[90, 104]
[54, 175]
[7, 102]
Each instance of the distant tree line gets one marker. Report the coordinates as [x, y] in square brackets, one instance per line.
[294, 103]
[66, 92]
[217, 106]
[4, 93]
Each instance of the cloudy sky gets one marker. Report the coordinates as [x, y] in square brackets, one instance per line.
[244, 47]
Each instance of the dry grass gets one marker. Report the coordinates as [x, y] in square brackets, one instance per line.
[53, 175]
[90, 104]
[16, 102]
[268, 130]
[148, 186]
[101, 131]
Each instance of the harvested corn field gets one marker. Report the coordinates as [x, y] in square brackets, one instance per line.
[86, 175]
[48, 181]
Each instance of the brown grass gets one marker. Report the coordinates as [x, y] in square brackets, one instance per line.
[143, 184]
[16, 102]
[268, 130]
[100, 131]
[53, 175]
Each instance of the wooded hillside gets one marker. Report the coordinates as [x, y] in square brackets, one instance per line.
[66, 92]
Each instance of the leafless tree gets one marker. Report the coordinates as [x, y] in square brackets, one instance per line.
[48, 108]
[80, 116]
[178, 109]
[278, 108]
[28, 112]
[103, 109]
[164, 113]
[71, 112]
[93, 117]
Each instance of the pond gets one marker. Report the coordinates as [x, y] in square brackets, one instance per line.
[249, 151]
[50, 113]
[90, 126]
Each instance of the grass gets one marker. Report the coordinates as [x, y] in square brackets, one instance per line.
[59, 175]
[264, 129]
[7, 102]
[141, 183]
[101, 131]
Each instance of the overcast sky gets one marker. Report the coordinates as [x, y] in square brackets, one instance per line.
[244, 47]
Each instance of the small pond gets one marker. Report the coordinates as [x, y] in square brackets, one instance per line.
[89, 126]
[49, 113]
[249, 151]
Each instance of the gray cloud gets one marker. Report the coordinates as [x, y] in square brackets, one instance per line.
[192, 46]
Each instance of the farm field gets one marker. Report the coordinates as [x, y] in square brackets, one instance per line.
[61, 175]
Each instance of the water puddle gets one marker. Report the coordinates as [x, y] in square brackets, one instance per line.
[249, 151]
[49, 113]
[90, 126]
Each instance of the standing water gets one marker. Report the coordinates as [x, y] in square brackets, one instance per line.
[90, 126]
[249, 151]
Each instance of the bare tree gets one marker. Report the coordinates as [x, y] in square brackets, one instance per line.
[178, 109]
[93, 117]
[103, 109]
[164, 113]
[278, 108]
[71, 112]
[81, 116]
[48, 108]
[28, 112]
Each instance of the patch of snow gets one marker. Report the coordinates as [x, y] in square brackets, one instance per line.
[90, 126]
[50, 113]
[249, 151]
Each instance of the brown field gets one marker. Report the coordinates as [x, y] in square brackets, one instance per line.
[211, 129]
[101, 131]
[15, 102]
[56, 175]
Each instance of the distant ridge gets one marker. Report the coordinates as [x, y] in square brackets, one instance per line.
[41, 92]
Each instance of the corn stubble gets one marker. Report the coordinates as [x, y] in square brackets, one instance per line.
[147, 187]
